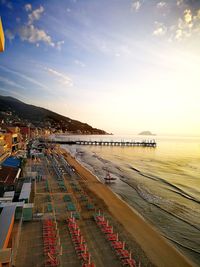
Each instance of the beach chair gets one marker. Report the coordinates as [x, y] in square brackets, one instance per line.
[49, 207]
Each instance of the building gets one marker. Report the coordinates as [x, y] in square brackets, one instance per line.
[12, 162]
[2, 39]
[8, 178]
[25, 132]
[7, 216]
[4, 150]
[25, 192]
[13, 138]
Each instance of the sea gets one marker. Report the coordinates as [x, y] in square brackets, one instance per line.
[162, 184]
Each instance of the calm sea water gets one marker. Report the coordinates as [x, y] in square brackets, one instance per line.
[162, 183]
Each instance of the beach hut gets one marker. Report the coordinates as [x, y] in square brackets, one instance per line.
[25, 192]
[6, 226]
[28, 212]
[8, 178]
[12, 162]
[67, 198]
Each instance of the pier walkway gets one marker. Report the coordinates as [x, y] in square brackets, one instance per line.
[145, 143]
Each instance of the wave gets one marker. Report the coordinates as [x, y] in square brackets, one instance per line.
[115, 170]
[159, 202]
[177, 190]
[183, 246]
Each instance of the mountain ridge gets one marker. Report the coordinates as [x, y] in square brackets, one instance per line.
[41, 117]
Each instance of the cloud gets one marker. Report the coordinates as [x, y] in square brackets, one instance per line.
[59, 44]
[28, 7]
[186, 26]
[10, 83]
[79, 63]
[35, 15]
[12, 93]
[23, 76]
[161, 4]
[10, 35]
[179, 2]
[6, 3]
[62, 78]
[188, 16]
[160, 29]
[135, 6]
[33, 34]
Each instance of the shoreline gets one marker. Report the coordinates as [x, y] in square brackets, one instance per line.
[159, 250]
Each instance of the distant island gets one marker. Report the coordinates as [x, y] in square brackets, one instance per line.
[15, 112]
[146, 133]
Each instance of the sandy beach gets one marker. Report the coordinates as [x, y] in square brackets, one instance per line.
[159, 251]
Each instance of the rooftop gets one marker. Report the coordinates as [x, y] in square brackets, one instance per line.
[5, 222]
[12, 162]
[25, 192]
[9, 194]
[8, 175]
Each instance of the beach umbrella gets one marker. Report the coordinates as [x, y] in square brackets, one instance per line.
[85, 250]
[117, 237]
[78, 232]
[61, 250]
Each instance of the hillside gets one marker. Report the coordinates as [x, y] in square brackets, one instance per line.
[15, 111]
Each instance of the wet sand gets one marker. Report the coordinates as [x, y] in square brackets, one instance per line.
[159, 251]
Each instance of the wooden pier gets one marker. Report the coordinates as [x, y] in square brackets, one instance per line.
[145, 143]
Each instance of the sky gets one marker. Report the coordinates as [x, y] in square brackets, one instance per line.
[120, 65]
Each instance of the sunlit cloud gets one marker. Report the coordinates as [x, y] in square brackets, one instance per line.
[32, 34]
[188, 16]
[160, 29]
[135, 6]
[161, 4]
[62, 78]
[186, 26]
[179, 2]
[35, 15]
[28, 7]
